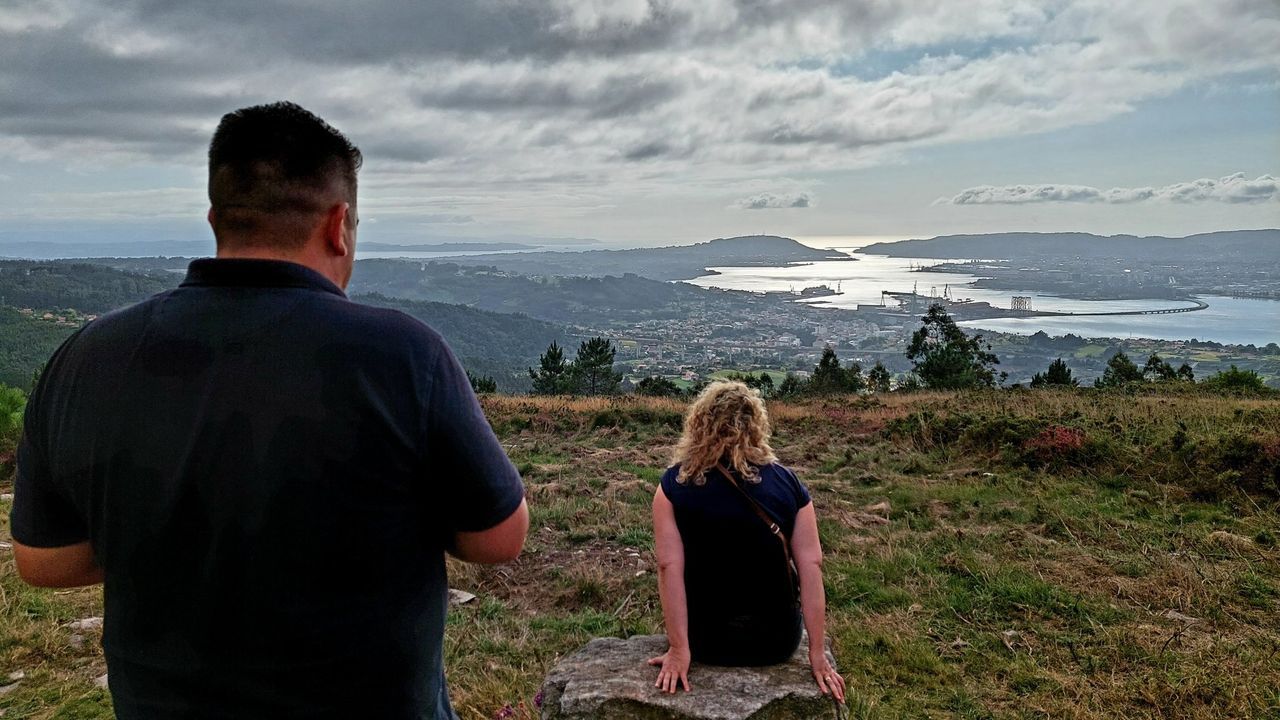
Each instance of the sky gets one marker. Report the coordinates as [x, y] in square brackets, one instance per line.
[656, 122]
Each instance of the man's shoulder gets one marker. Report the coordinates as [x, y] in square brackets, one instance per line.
[126, 321]
[392, 325]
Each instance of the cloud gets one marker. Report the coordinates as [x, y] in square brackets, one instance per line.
[770, 201]
[1230, 189]
[168, 202]
[565, 102]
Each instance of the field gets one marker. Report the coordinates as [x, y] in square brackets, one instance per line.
[994, 555]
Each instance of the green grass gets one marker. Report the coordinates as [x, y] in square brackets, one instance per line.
[776, 375]
[1006, 584]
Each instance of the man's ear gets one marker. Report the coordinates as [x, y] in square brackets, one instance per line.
[335, 223]
[209, 216]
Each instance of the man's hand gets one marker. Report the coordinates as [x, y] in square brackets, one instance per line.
[675, 669]
[500, 543]
[58, 567]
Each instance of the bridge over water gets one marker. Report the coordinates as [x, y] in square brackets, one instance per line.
[1199, 305]
[911, 297]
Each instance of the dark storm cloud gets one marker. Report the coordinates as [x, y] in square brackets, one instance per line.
[357, 33]
[648, 151]
[610, 97]
[54, 89]
[842, 135]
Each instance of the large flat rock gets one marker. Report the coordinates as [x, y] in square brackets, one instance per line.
[610, 680]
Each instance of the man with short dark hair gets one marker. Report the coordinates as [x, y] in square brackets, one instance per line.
[265, 474]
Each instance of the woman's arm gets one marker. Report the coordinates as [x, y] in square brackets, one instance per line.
[807, 551]
[675, 612]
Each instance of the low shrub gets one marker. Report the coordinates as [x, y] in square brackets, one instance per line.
[1055, 444]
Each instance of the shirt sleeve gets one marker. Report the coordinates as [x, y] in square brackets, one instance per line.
[42, 516]
[668, 480]
[480, 486]
[798, 490]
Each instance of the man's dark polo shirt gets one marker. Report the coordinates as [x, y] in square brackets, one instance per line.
[268, 474]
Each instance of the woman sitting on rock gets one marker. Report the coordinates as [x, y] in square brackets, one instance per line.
[727, 521]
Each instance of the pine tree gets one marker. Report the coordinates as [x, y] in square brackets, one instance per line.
[790, 386]
[593, 368]
[1157, 369]
[945, 358]
[1058, 375]
[482, 384]
[655, 386]
[1120, 371]
[1185, 373]
[1237, 379]
[853, 380]
[764, 383]
[828, 377]
[553, 376]
[878, 379]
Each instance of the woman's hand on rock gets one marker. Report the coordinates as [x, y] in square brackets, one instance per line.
[675, 669]
[829, 681]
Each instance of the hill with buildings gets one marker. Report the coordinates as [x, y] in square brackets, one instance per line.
[1205, 247]
[677, 262]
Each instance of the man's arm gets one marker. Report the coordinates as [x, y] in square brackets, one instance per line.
[500, 543]
[57, 567]
[481, 497]
[50, 536]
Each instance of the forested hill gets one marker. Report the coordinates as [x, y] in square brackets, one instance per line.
[26, 342]
[501, 345]
[1205, 247]
[681, 262]
[89, 288]
[43, 302]
[595, 301]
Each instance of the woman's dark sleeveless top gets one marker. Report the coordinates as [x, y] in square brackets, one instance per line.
[742, 608]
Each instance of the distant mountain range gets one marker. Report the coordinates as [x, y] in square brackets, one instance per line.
[53, 250]
[677, 262]
[444, 247]
[1205, 247]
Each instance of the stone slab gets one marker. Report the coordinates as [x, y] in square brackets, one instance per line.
[609, 679]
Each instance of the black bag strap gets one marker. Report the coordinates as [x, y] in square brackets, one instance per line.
[786, 549]
[768, 521]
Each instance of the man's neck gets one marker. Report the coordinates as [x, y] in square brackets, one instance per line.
[257, 252]
[305, 256]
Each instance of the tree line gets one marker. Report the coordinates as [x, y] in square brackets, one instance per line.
[590, 372]
[943, 357]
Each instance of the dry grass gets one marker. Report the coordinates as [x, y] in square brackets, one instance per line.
[998, 588]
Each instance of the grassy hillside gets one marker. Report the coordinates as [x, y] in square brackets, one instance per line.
[996, 555]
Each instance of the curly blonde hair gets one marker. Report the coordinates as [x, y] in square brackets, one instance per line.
[727, 422]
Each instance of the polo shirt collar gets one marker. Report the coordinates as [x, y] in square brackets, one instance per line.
[245, 272]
